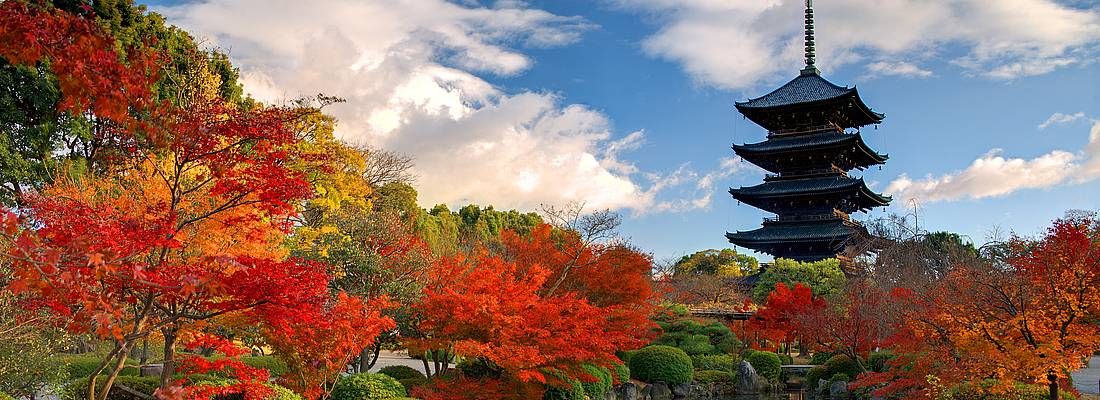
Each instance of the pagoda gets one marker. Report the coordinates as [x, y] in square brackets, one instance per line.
[813, 142]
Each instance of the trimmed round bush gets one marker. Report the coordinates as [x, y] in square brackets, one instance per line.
[367, 386]
[282, 393]
[785, 359]
[602, 385]
[711, 376]
[272, 364]
[715, 362]
[622, 373]
[766, 364]
[697, 344]
[820, 358]
[661, 364]
[842, 364]
[400, 372]
[813, 375]
[5, 396]
[572, 391]
[839, 377]
[410, 383]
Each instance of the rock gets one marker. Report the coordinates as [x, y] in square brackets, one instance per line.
[838, 390]
[748, 382]
[627, 391]
[822, 390]
[659, 391]
[151, 370]
[682, 390]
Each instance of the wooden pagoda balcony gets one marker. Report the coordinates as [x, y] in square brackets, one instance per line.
[805, 129]
[832, 170]
[835, 215]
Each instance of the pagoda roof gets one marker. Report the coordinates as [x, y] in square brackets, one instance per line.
[807, 90]
[816, 186]
[757, 153]
[821, 231]
[807, 87]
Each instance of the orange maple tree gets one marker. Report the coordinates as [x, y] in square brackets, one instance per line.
[189, 229]
[539, 312]
[1029, 319]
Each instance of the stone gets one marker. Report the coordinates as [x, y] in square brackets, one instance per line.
[659, 391]
[838, 390]
[151, 370]
[627, 391]
[748, 382]
[682, 390]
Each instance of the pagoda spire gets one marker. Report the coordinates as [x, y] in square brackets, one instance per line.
[810, 68]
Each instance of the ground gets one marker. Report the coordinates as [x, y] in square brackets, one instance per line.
[1088, 380]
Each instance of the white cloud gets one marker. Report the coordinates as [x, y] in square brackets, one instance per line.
[739, 43]
[1060, 118]
[409, 71]
[898, 68]
[994, 175]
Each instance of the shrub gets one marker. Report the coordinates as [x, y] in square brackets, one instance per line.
[282, 393]
[622, 372]
[76, 389]
[272, 364]
[718, 362]
[477, 368]
[410, 383]
[709, 376]
[661, 364]
[400, 372]
[766, 364]
[367, 386]
[820, 358]
[1019, 391]
[572, 390]
[602, 385]
[878, 360]
[5, 396]
[842, 364]
[697, 344]
[813, 375]
[786, 359]
[839, 377]
[129, 370]
[625, 355]
[79, 365]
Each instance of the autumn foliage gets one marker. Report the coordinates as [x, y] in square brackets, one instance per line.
[543, 310]
[1018, 321]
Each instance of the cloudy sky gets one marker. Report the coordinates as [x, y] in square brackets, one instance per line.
[993, 107]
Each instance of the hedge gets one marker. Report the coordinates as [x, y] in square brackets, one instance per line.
[400, 372]
[76, 389]
[602, 385]
[1019, 391]
[622, 373]
[877, 361]
[272, 364]
[5, 396]
[661, 364]
[820, 358]
[717, 362]
[367, 386]
[709, 376]
[766, 364]
[573, 390]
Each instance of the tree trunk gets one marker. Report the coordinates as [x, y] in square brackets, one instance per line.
[144, 350]
[169, 365]
[1053, 385]
[114, 371]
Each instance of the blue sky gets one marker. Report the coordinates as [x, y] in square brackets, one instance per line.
[628, 104]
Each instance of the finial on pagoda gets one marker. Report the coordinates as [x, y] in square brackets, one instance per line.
[810, 68]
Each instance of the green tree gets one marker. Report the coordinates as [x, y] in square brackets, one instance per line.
[38, 138]
[725, 262]
[824, 277]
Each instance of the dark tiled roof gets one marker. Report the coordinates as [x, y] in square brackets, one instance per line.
[803, 89]
[798, 142]
[815, 231]
[805, 185]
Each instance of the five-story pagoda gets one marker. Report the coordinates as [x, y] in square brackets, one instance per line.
[809, 151]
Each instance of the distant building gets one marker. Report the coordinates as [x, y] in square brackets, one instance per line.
[813, 142]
